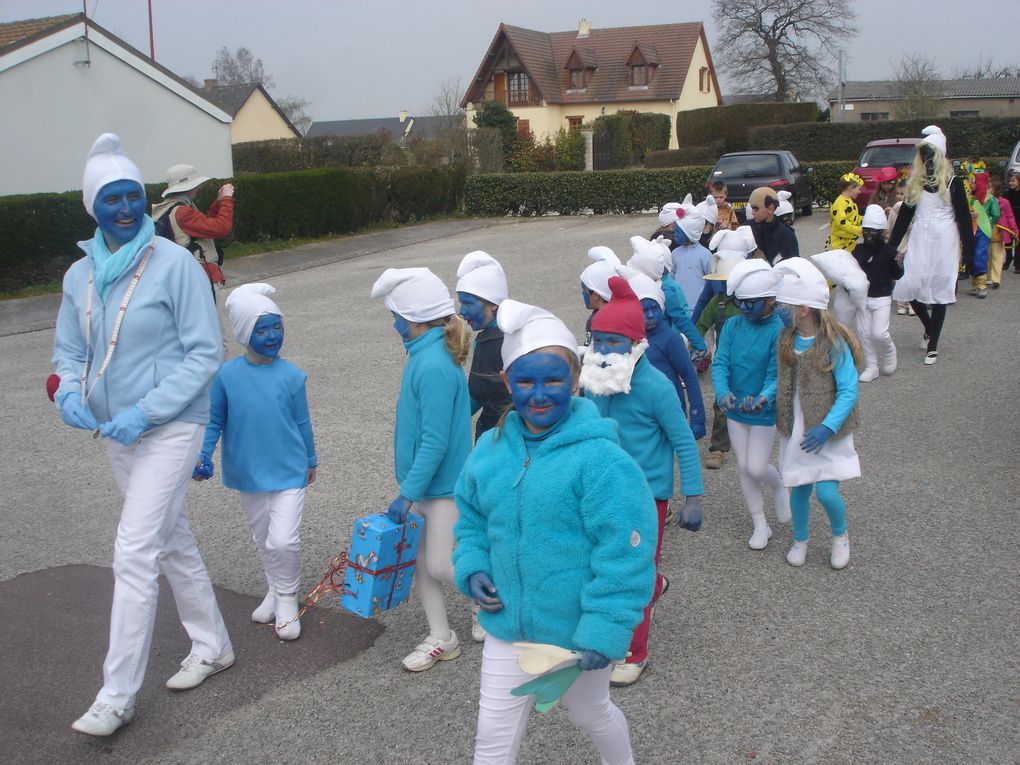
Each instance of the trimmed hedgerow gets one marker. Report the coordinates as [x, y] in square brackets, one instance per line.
[291, 154]
[731, 124]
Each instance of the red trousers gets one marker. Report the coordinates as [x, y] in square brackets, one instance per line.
[639, 641]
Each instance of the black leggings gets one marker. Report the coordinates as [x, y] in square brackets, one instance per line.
[932, 322]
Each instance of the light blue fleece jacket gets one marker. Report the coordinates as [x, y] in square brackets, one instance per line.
[432, 438]
[652, 428]
[567, 535]
[745, 365]
[678, 313]
[169, 346]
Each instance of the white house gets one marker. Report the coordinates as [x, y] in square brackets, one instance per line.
[64, 80]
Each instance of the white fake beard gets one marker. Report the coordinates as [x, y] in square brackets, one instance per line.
[607, 374]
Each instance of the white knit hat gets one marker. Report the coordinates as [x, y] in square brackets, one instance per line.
[750, 279]
[801, 284]
[874, 217]
[785, 207]
[650, 258]
[527, 328]
[729, 248]
[481, 274]
[690, 219]
[417, 294]
[643, 286]
[105, 164]
[245, 305]
[596, 276]
[933, 135]
[667, 214]
[709, 210]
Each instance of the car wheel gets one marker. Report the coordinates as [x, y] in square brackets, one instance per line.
[807, 210]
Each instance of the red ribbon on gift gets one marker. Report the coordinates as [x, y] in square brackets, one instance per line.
[401, 546]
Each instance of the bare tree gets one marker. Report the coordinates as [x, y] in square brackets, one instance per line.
[917, 83]
[984, 70]
[784, 47]
[294, 108]
[242, 68]
[451, 130]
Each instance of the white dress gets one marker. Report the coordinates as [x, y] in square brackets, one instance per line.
[932, 262]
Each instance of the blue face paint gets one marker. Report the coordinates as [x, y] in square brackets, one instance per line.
[607, 342]
[120, 210]
[473, 311]
[400, 324]
[679, 237]
[586, 296]
[267, 336]
[785, 313]
[754, 309]
[653, 314]
[540, 388]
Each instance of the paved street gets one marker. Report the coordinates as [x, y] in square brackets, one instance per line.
[910, 655]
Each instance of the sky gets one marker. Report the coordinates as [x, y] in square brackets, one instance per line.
[353, 59]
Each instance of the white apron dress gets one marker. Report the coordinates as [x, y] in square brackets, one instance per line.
[932, 262]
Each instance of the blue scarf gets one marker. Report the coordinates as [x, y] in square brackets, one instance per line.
[108, 266]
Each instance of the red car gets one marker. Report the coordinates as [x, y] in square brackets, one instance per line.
[878, 158]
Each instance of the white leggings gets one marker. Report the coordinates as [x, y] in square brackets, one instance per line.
[502, 718]
[752, 444]
[275, 520]
[435, 560]
[874, 337]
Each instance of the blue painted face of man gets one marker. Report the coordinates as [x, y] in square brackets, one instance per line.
[653, 314]
[540, 387]
[267, 336]
[120, 210]
[586, 296]
[475, 311]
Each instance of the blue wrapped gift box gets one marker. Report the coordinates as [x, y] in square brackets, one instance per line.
[380, 564]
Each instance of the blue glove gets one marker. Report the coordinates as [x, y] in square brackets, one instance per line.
[483, 591]
[591, 660]
[698, 429]
[727, 402]
[398, 510]
[204, 469]
[815, 438]
[753, 404]
[126, 427]
[690, 514]
[74, 413]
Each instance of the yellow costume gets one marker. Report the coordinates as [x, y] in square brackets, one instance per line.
[844, 224]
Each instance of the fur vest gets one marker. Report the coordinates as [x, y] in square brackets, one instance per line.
[817, 394]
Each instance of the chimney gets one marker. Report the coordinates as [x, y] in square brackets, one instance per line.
[210, 84]
[583, 29]
[403, 115]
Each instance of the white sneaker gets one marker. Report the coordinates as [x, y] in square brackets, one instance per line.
[930, 358]
[195, 669]
[782, 502]
[760, 538]
[888, 369]
[840, 552]
[868, 375]
[288, 626]
[797, 554]
[102, 719]
[627, 674]
[431, 650]
[477, 630]
[266, 611]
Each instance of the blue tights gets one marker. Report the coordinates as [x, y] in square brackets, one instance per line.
[830, 499]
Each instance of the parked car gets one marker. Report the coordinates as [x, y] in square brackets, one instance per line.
[1013, 165]
[897, 153]
[744, 171]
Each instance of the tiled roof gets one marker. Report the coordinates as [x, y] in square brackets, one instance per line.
[881, 90]
[544, 56]
[14, 31]
[230, 98]
[424, 127]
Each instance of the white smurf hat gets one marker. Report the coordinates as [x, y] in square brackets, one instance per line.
[690, 219]
[709, 210]
[642, 285]
[105, 164]
[649, 258]
[933, 135]
[244, 306]
[667, 214]
[750, 279]
[417, 294]
[596, 276]
[801, 284]
[874, 217]
[527, 328]
[785, 207]
[481, 274]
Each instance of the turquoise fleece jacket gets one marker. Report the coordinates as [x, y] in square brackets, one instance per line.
[678, 313]
[567, 536]
[652, 428]
[169, 346]
[432, 437]
[745, 365]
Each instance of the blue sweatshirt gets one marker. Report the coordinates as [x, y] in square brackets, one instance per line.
[667, 353]
[678, 314]
[653, 427]
[846, 382]
[169, 346]
[567, 534]
[432, 437]
[262, 412]
[745, 365]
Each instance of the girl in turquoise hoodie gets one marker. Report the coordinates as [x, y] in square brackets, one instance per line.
[555, 542]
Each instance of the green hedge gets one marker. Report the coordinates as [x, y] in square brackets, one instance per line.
[731, 124]
[686, 155]
[40, 230]
[632, 135]
[982, 136]
[289, 154]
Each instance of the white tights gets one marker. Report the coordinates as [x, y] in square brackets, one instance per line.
[435, 560]
[752, 444]
[275, 520]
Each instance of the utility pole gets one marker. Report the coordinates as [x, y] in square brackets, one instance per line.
[842, 86]
[152, 43]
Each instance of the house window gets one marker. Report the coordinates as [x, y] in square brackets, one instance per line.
[524, 128]
[578, 79]
[874, 116]
[574, 123]
[517, 89]
[638, 75]
[704, 80]
[973, 113]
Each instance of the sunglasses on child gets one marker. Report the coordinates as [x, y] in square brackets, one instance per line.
[748, 304]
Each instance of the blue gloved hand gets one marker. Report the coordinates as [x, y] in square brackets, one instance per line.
[753, 404]
[815, 438]
[483, 591]
[126, 427]
[398, 510]
[74, 413]
[698, 429]
[204, 469]
[727, 402]
[591, 660]
[690, 514]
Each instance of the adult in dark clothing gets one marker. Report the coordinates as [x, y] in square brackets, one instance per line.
[1012, 195]
[775, 239]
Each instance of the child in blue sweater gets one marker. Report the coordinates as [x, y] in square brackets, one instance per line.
[259, 404]
[432, 438]
[744, 378]
[555, 540]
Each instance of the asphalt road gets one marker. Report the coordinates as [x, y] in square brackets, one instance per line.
[910, 655]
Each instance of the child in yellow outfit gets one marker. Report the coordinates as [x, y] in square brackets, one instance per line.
[844, 216]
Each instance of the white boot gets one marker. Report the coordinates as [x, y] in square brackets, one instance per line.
[797, 554]
[287, 625]
[266, 610]
[761, 534]
[869, 374]
[840, 552]
[782, 500]
[888, 365]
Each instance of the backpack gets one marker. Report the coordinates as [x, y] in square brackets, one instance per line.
[166, 230]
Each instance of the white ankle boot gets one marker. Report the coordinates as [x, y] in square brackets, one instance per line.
[840, 552]
[869, 374]
[288, 627]
[797, 554]
[760, 537]
[266, 610]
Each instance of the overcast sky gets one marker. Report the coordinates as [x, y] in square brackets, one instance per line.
[358, 58]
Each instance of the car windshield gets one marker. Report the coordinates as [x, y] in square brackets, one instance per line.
[887, 156]
[748, 166]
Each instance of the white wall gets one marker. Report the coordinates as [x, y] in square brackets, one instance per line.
[55, 109]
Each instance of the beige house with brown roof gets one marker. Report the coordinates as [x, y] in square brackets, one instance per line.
[566, 79]
[257, 117]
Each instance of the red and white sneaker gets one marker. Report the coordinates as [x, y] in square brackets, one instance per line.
[431, 650]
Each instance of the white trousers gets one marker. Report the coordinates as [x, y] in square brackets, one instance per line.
[153, 475]
[752, 445]
[435, 560]
[873, 335]
[502, 718]
[275, 520]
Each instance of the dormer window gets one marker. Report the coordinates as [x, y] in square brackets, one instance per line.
[578, 79]
[641, 64]
[580, 65]
[638, 75]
